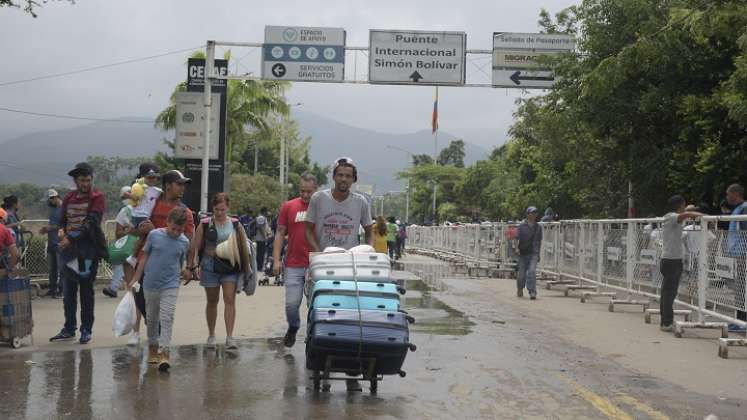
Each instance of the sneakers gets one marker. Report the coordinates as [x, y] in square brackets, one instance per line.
[211, 342]
[667, 328]
[85, 337]
[131, 260]
[533, 296]
[109, 292]
[163, 363]
[231, 344]
[290, 337]
[519, 292]
[737, 329]
[153, 356]
[63, 335]
[134, 339]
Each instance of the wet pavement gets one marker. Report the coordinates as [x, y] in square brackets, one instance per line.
[492, 364]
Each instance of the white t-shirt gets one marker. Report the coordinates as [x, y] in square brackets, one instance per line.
[124, 217]
[146, 204]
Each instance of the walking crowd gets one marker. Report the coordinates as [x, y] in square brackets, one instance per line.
[160, 245]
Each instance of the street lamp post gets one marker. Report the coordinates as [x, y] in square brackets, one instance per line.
[407, 188]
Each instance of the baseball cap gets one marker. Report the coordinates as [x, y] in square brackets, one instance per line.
[344, 160]
[81, 168]
[52, 193]
[124, 190]
[175, 176]
[532, 209]
[148, 169]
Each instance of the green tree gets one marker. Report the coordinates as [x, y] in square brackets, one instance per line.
[453, 154]
[29, 6]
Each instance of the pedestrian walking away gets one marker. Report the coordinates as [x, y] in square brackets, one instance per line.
[380, 235]
[292, 222]
[220, 246]
[54, 201]
[737, 248]
[162, 266]
[262, 232]
[391, 237]
[81, 248]
[671, 258]
[529, 242]
[334, 216]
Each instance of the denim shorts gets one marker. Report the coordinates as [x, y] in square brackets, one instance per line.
[209, 278]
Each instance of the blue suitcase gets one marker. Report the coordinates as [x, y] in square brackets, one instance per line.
[353, 302]
[390, 319]
[340, 287]
[358, 348]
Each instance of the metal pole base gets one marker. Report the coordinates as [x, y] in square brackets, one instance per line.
[588, 295]
[679, 327]
[570, 289]
[614, 302]
[724, 343]
[649, 312]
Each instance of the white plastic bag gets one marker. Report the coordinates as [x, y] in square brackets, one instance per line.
[124, 316]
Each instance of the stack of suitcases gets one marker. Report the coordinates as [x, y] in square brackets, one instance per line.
[356, 325]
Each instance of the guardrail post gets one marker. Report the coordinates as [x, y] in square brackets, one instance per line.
[600, 252]
[630, 256]
[581, 251]
[702, 268]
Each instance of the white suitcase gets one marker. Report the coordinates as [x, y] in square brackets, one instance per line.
[369, 259]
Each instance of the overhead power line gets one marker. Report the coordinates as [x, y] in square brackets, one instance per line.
[74, 117]
[104, 66]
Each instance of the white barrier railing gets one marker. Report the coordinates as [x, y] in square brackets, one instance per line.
[620, 254]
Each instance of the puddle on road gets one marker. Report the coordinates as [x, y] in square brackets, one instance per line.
[431, 315]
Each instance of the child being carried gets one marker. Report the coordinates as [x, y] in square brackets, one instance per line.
[143, 198]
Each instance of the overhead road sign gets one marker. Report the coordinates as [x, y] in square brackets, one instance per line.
[303, 54]
[417, 57]
[517, 58]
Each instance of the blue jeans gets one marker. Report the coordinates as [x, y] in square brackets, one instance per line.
[71, 284]
[54, 265]
[527, 275]
[117, 277]
[294, 283]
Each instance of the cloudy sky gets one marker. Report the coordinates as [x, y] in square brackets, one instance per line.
[91, 33]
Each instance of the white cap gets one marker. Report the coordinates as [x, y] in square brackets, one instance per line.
[124, 190]
[51, 193]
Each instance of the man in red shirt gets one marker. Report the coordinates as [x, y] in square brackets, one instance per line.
[291, 221]
[81, 249]
[7, 242]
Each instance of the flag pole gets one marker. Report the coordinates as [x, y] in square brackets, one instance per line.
[435, 153]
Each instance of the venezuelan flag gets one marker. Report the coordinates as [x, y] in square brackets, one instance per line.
[434, 119]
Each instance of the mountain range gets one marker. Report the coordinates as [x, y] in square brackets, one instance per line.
[45, 157]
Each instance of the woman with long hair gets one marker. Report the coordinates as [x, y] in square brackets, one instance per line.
[380, 235]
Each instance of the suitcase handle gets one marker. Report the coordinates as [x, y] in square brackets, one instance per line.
[375, 272]
[391, 338]
[336, 304]
[336, 282]
[331, 334]
[381, 306]
[330, 272]
[402, 311]
[379, 284]
[410, 319]
[331, 311]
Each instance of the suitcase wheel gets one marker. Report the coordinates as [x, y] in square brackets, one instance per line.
[410, 319]
[15, 342]
[401, 290]
[402, 373]
[413, 347]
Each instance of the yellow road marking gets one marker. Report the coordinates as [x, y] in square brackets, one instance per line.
[650, 411]
[602, 404]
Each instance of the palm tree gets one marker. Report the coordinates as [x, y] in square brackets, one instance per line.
[249, 104]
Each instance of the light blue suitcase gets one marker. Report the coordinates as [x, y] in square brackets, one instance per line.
[341, 287]
[352, 302]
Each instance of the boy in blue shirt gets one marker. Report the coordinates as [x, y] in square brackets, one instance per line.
[165, 253]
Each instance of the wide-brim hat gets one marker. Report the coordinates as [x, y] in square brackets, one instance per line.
[229, 250]
[82, 168]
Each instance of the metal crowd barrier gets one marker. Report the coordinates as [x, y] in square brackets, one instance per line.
[619, 256]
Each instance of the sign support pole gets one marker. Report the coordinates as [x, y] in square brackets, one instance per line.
[207, 101]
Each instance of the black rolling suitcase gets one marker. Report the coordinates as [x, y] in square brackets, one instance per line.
[376, 345]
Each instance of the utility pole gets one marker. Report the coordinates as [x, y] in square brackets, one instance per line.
[435, 162]
[207, 103]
